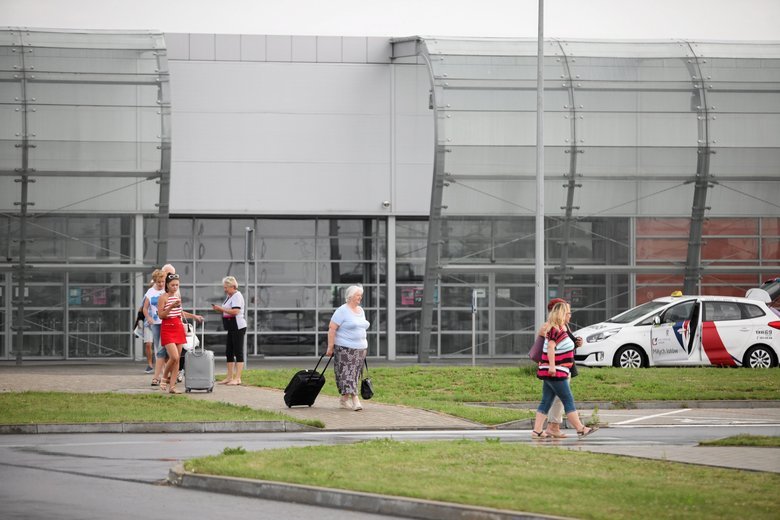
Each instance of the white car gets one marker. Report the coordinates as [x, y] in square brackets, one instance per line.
[688, 330]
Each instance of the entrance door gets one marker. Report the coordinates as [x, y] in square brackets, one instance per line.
[676, 338]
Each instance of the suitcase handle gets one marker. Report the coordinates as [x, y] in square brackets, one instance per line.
[318, 364]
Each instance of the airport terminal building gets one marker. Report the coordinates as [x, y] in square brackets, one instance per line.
[304, 164]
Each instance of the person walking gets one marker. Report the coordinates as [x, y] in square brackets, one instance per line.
[554, 371]
[234, 323]
[347, 340]
[152, 323]
[555, 416]
[172, 335]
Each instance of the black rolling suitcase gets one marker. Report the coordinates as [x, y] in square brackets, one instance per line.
[305, 386]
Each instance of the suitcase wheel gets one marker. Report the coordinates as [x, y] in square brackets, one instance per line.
[188, 390]
[211, 389]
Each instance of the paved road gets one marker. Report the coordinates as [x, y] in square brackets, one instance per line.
[119, 476]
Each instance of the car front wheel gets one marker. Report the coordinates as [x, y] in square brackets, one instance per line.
[629, 356]
[759, 356]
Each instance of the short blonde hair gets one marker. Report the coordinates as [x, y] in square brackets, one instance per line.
[351, 291]
[158, 274]
[231, 281]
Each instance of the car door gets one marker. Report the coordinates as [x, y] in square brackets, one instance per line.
[675, 338]
[724, 333]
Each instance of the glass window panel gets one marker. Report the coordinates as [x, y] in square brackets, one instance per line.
[287, 296]
[514, 296]
[665, 227]
[730, 226]
[40, 345]
[219, 247]
[770, 226]
[42, 295]
[770, 251]
[409, 272]
[40, 320]
[214, 272]
[271, 248]
[511, 320]
[219, 227]
[725, 249]
[286, 272]
[92, 345]
[514, 344]
[286, 320]
[460, 344]
[347, 228]
[408, 319]
[99, 321]
[411, 229]
[406, 344]
[456, 320]
[346, 249]
[661, 249]
[286, 344]
[347, 272]
[285, 228]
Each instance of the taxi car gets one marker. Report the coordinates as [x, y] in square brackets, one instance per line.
[689, 330]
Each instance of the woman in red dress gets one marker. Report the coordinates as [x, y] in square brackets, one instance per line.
[172, 335]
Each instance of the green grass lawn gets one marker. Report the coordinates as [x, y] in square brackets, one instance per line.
[450, 389]
[514, 476]
[761, 441]
[66, 407]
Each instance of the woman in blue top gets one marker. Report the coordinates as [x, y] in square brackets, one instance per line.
[347, 339]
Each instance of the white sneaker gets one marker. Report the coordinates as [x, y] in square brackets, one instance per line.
[180, 377]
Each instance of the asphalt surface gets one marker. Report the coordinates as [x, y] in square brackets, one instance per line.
[122, 475]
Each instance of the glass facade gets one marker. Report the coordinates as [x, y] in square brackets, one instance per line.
[635, 134]
[300, 271]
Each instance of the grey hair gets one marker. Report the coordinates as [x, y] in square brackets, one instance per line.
[231, 281]
[351, 290]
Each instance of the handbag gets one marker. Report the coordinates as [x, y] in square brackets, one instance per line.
[366, 386]
[192, 338]
[536, 350]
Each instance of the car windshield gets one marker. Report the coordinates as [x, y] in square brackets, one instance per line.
[637, 312]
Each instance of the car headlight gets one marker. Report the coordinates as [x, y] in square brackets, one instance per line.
[601, 336]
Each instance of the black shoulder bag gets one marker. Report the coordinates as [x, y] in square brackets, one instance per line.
[366, 387]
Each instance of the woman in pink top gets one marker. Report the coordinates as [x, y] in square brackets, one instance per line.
[172, 335]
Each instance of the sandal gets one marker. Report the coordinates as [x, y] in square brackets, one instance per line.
[163, 384]
[584, 432]
[556, 435]
[539, 435]
[172, 390]
[155, 382]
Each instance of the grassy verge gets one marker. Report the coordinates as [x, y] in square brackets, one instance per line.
[450, 389]
[762, 441]
[65, 407]
[514, 476]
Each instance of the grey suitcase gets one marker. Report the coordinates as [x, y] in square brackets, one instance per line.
[199, 367]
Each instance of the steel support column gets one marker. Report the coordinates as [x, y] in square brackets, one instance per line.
[702, 182]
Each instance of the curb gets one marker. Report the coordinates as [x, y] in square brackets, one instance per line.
[343, 499]
[161, 427]
[646, 405]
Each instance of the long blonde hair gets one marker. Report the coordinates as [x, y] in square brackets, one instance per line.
[557, 316]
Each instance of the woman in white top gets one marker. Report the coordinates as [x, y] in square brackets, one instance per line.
[233, 321]
[347, 339]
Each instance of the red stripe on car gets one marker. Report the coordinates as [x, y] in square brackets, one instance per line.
[714, 347]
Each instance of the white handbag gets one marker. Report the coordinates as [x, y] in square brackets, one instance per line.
[192, 338]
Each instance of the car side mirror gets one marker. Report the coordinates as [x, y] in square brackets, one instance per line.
[657, 321]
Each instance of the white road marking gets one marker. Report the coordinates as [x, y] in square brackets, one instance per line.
[652, 416]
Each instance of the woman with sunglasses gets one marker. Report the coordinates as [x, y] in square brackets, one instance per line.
[172, 335]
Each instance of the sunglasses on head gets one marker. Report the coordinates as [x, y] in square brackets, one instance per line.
[173, 277]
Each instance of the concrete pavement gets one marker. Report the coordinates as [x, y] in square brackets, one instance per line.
[129, 378]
